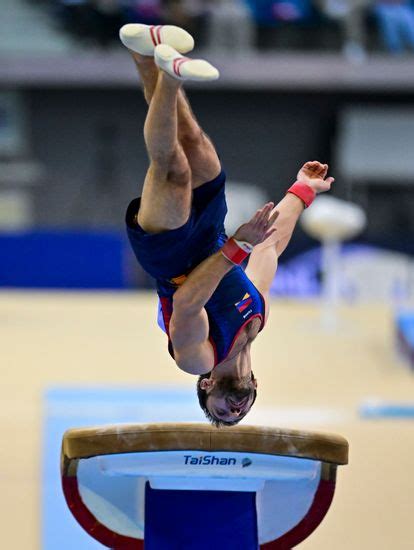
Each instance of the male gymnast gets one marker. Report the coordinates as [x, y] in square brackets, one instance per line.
[211, 308]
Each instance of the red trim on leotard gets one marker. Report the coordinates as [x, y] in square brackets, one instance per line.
[213, 345]
[264, 309]
[166, 310]
[234, 338]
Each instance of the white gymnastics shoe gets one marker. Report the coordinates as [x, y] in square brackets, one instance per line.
[183, 68]
[144, 38]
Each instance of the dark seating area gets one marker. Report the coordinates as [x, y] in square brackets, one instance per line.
[354, 27]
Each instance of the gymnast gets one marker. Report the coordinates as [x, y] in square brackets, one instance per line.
[210, 307]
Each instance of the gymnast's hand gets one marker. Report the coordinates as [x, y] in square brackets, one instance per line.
[260, 227]
[314, 174]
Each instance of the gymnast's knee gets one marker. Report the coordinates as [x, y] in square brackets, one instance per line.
[192, 137]
[175, 167]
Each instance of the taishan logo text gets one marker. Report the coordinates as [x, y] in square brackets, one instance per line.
[209, 460]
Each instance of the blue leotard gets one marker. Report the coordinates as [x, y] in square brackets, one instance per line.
[233, 305]
[170, 255]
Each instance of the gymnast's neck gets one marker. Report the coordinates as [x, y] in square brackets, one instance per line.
[237, 366]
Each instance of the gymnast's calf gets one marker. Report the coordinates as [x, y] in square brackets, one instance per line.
[210, 307]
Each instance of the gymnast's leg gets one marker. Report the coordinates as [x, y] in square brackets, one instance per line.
[198, 148]
[167, 193]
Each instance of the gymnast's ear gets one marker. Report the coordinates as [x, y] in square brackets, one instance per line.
[206, 384]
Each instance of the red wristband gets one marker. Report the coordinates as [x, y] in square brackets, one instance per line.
[236, 251]
[303, 191]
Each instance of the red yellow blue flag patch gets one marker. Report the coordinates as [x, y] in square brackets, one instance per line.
[244, 303]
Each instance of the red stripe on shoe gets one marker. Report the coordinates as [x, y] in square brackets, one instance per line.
[177, 64]
[152, 31]
[158, 30]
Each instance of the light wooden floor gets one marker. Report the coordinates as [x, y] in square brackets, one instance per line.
[49, 339]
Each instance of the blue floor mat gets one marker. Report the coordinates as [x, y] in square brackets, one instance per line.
[77, 407]
[387, 410]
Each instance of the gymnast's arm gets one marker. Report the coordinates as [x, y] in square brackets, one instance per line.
[189, 329]
[263, 260]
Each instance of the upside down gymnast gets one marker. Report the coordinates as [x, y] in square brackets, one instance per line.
[211, 308]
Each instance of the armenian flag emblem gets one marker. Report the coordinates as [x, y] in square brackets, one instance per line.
[244, 303]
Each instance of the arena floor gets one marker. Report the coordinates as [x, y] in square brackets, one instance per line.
[307, 379]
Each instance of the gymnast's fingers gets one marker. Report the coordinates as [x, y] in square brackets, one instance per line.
[256, 216]
[265, 213]
[323, 170]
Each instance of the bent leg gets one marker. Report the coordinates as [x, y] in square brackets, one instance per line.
[198, 148]
[166, 196]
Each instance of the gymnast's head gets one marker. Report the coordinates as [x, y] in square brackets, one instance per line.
[226, 400]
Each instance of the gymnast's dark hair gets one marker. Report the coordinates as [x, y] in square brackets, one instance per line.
[202, 399]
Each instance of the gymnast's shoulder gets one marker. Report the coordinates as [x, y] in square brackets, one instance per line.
[196, 358]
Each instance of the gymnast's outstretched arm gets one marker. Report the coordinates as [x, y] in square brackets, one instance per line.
[189, 324]
[263, 261]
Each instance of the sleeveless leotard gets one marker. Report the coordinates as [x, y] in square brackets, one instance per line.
[233, 305]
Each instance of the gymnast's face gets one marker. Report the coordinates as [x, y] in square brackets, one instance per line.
[230, 399]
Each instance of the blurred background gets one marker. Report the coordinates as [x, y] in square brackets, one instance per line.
[300, 80]
[331, 80]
